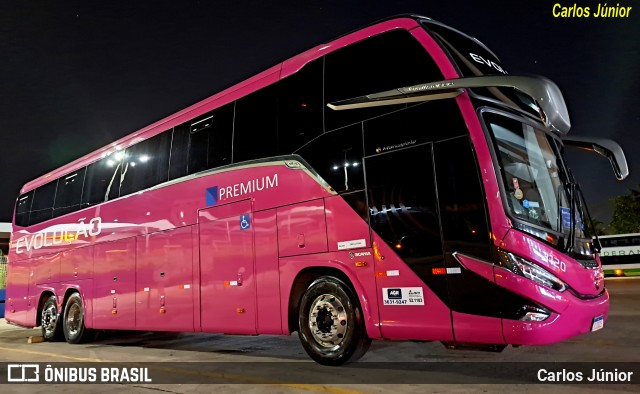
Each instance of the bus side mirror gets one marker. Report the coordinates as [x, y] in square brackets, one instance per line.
[605, 147]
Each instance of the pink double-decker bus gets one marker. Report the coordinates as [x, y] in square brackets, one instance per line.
[393, 183]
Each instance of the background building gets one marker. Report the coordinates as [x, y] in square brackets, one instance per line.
[5, 234]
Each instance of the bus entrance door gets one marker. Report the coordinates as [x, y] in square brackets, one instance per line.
[227, 255]
[404, 217]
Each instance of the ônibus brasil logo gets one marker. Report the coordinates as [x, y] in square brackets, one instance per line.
[31, 373]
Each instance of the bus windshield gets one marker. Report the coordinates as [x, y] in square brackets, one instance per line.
[537, 184]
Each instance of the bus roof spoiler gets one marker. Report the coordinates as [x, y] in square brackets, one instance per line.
[545, 96]
[605, 147]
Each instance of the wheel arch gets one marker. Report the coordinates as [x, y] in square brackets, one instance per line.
[82, 333]
[86, 306]
[44, 295]
[305, 276]
[68, 294]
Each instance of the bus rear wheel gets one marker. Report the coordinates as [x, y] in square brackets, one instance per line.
[331, 326]
[50, 320]
[73, 320]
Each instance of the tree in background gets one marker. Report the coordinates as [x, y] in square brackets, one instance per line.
[595, 227]
[626, 213]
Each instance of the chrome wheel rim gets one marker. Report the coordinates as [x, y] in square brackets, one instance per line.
[49, 319]
[74, 319]
[328, 321]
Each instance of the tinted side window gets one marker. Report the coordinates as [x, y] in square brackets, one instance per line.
[426, 122]
[102, 180]
[42, 206]
[145, 164]
[337, 157]
[69, 193]
[256, 127]
[403, 205]
[40, 216]
[358, 201]
[44, 196]
[23, 207]
[388, 61]
[210, 138]
[465, 230]
[300, 107]
[178, 160]
[465, 225]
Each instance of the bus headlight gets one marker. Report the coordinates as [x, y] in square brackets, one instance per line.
[529, 270]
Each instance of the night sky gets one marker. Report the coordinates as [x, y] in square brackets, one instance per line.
[75, 76]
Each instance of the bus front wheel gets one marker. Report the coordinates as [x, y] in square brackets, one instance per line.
[73, 320]
[331, 326]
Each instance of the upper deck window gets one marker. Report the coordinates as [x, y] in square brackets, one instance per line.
[388, 61]
[23, 208]
[255, 132]
[102, 181]
[145, 164]
[210, 139]
[69, 193]
[42, 206]
[300, 107]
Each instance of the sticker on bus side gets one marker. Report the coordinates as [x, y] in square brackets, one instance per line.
[245, 222]
[352, 244]
[402, 296]
[215, 194]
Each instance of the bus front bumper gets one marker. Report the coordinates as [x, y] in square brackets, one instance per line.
[577, 318]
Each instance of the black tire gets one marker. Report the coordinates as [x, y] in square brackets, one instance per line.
[73, 321]
[329, 300]
[50, 320]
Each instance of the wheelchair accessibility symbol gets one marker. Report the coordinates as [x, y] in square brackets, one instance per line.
[245, 222]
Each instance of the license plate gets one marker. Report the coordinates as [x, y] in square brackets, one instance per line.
[598, 323]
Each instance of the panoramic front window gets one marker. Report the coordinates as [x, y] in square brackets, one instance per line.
[535, 181]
